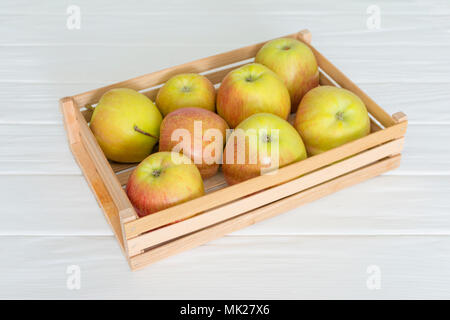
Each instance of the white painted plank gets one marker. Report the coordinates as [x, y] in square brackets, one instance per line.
[35, 149]
[403, 66]
[99, 64]
[43, 149]
[224, 27]
[49, 205]
[421, 35]
[24, 103]
[203, 7]
[231, 268]
[422, 102]
[64, 205]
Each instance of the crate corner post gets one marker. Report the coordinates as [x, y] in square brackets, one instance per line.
[305, 35]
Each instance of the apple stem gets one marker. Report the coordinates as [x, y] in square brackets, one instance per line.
[156, 173]
[340, 115]
[145, 133]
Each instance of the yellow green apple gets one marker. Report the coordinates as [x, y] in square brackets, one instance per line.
[187, 90]
[260, 144]
[126, 125]
[162, 180]
[200, 133]
[294, 62]
[328, 117]
[251, 89]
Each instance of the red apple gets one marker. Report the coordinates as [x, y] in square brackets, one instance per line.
[185, 91]
[259, 144]
[251, 89]
[162, 180]
[202, 134]
[328, 117]
[294, 62]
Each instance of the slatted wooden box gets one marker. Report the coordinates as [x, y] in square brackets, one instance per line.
[224, 209]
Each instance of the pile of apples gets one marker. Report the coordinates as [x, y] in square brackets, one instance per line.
[197, 130]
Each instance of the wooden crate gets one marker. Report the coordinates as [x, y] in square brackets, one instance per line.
[224, 209]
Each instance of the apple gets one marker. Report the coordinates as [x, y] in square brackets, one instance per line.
[259, 144]
[294, 62]
[126, 125]
[251, 89]
[203, 135]
[162, 180]
[185, 91]
[328, 117]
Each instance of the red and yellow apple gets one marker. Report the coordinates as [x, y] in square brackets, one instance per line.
[126, 125]
[187, 90]
[251, 89]
[328, 117]
[162, 180]
[294, 62]
[260, 144]
[202, 134]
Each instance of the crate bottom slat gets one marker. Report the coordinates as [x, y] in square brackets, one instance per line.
[252, 202]
[220, 229]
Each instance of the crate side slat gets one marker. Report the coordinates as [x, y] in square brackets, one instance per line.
[234, 192]
[126, 212]
[214, 77]
[87, 166]
[122, 166]
[100, 191]
[324, 80]
[197, 66]
[340, 78]
[203, 236]
[200, 66]
[136, 245]
[70, 120]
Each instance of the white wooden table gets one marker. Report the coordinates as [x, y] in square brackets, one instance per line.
[386, 238]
